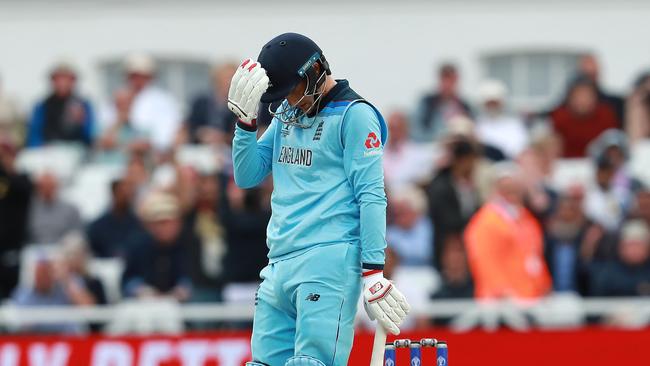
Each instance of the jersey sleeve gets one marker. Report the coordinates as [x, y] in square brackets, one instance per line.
[361, 135]
[252, 159]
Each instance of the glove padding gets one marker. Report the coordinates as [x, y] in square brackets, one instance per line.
[384, 302]
[246, 89]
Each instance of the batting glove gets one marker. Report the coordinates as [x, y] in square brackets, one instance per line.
[246, 89]
[384, 302]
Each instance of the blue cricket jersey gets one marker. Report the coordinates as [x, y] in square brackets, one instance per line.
[328, 179]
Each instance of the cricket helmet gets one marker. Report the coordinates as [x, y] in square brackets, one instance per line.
[287, 59]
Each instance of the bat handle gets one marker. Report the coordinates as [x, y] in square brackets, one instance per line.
[378, 346]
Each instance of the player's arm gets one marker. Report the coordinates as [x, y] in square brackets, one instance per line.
[251, 158]
[362, 153]
[363, 150]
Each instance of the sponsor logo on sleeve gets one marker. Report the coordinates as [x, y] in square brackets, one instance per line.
[372, 144]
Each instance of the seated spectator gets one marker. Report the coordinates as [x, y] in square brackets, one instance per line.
[245, 219]
[15, 195]
[453, 195]
[588, 65]
[637, 124]
[120, 137]
[565, 232]
[410, 234]
[206, 255]
[606, 204]
[51, 288]
[109, 233]
[156, 263]
[405, 162]
[435, 111]
[582, 117]
[75, 269]
[11, 128]
[210, 120]
[504, 243]
[496, 127]
[456, 279]
[536, 164]
[613, 145]
[154, 112]
[629, 274]
[63, 115]
[51, 218]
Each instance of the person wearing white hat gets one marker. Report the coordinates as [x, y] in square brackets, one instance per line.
[154, 112]
[496, 127]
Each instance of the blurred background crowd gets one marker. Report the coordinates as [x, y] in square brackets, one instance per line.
[134, 197]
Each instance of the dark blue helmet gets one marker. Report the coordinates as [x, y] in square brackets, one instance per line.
[287, 59]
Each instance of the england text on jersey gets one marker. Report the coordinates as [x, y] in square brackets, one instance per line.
[295, 156]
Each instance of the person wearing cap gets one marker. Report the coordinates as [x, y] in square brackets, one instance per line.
[63, 116]
[504, 243]
[435, 112]
[629, 273]
[153, 113]
[156, 263]
[496, 127]
[326, 235]
[453, 195]
[210, 120]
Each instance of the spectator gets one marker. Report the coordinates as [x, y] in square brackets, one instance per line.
[588, 66]
[153, 112]
[410, 235]
[63, 115]
[613, 144]
[121, 137]
[453, 196]
[210, 120]
[246, 217]
[637, 124]
[50, 288]
[75, 269]
[404, 161]
[504, 243]
[496, 127]
[206, 256]
[629, 274]
[565, 232]
[456, 279]
[156, 263]
[10, 127]
[15, 196]
[435, 111]
[50, 218]
[605, 203]
[582, 117]
[109, 234]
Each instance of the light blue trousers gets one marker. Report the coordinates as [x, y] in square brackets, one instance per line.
[306, 306]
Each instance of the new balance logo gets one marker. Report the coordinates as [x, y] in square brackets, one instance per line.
[319, 131]
[312, 297]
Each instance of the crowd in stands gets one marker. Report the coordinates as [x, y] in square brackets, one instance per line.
[473, 211]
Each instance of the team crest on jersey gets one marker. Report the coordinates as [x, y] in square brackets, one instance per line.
[285, 130]
[319, 131]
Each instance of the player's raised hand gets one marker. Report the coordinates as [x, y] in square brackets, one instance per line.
[246, 89]
[384, 302]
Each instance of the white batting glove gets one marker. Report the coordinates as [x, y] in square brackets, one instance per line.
[246, 89]
[384, 302]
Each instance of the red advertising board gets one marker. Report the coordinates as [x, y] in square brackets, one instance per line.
[591, 346]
